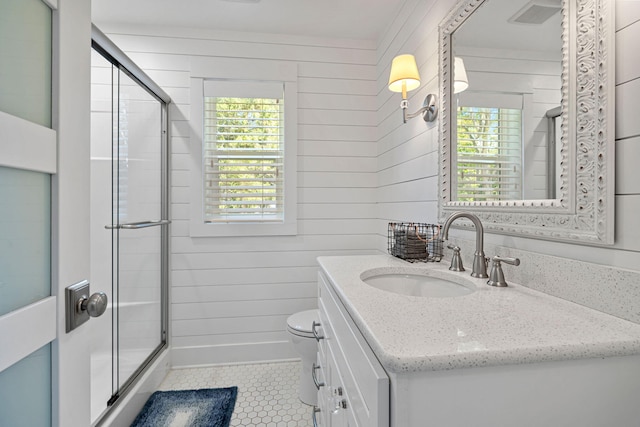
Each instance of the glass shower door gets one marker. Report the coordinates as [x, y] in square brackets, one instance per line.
[138, 227]
[129, 222]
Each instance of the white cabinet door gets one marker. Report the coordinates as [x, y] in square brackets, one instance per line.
[337, 404]
[354, 367]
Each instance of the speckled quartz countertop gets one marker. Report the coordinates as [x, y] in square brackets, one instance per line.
[489, 327]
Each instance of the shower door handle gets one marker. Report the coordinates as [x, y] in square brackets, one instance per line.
[137, 225]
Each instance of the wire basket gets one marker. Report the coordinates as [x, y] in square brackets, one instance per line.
[415, 242]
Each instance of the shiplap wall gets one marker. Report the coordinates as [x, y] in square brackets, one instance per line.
[408, 153]
[230, 297]
[359, 167]
[408, 181]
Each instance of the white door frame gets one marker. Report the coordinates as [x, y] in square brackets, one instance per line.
[70, 205]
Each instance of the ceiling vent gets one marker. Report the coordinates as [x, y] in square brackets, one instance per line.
[536, 12]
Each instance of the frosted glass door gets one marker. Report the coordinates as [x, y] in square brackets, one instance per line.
[25, 68]
[25, 279]
[137, 206]
[27, 160]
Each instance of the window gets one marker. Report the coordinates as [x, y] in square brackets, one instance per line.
[489, 153]
[243, 149]
[243, 153]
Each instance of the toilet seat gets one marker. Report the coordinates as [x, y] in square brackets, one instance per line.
[300, 323]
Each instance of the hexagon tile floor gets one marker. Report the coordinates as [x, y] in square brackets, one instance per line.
[267, 392]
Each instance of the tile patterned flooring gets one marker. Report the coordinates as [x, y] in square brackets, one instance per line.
[267, 392]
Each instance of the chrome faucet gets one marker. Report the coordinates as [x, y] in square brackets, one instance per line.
[479, 262]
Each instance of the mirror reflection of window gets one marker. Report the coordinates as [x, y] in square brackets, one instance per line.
[489, 154]
[513, 49]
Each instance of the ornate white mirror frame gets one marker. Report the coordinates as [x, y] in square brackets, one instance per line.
[584, 211]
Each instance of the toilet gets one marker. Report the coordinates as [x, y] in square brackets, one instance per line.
[304, 343]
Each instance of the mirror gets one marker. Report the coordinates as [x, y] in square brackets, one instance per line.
[511, 54]
[528, 146]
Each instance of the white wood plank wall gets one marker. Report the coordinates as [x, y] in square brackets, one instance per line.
[230, 297]
[359, 168]
[407, 154]
[628, 128]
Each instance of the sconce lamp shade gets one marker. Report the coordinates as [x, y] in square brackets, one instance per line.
[404, 74]
[460, 80]
[404, 77]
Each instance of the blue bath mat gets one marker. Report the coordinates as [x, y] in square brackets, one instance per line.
[208, 407]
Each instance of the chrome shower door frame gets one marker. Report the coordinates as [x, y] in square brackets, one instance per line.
[123, 64]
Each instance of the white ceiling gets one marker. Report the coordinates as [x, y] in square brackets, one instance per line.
[356, 19]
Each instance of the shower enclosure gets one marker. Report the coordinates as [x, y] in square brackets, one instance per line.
[129, 222]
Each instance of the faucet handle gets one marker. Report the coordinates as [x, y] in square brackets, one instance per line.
[456, 260]
[496, 276]
[512, 261]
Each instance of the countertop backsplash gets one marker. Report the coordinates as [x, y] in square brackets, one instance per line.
[611, 290]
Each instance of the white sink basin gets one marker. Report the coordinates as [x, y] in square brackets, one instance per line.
[418, 282]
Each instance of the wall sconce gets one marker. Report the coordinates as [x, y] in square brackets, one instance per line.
[404, 77]
[460, 80]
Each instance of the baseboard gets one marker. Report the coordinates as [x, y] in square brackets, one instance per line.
[229, 354]
[128, 408]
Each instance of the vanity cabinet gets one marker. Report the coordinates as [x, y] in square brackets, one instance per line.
[495, 357]
[353, 386]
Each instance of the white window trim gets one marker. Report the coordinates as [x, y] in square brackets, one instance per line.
[238, 69]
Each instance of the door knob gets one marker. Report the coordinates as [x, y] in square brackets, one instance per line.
[95, 305]
[80, 307]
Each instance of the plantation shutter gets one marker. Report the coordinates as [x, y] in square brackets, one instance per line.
[243, 151]
[489, 147]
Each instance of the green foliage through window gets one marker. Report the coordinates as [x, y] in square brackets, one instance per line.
[243, 159]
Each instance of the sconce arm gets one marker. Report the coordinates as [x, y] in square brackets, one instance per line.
[429, 110]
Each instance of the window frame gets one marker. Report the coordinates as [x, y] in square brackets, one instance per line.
[242, 70]
[266, 152]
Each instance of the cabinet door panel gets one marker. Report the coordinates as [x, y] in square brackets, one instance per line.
[352, 366]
